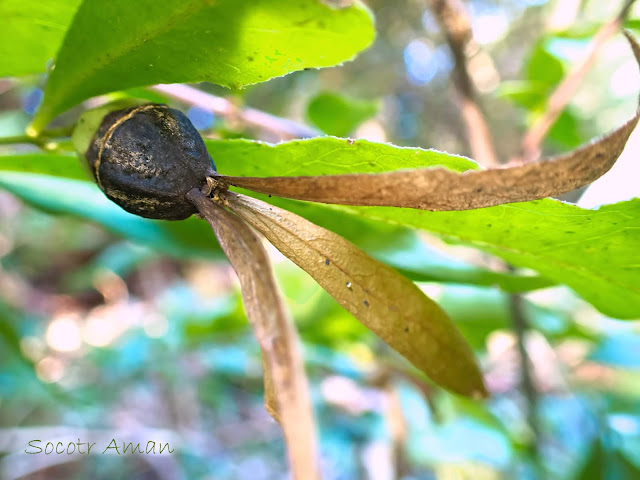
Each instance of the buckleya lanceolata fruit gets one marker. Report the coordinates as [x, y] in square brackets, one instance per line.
[145, 158]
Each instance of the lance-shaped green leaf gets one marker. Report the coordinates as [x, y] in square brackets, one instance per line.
[285, 380]
[440, 189]
[389, 304]
[121, 44]
[339, 115]
[32, 32]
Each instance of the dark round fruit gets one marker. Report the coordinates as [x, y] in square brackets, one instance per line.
[146, 158]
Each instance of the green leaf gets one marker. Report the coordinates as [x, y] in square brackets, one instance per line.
[480, 311]
[585, 31]
[592, 251]
[543, 67]
[66, 166]
[422, 263]
[565, 131]
[339, 115]
[530, 95]
[633, 23]
[606, 462]
[387, 303]
[122, 44]
[10, 337]
[84, 199]
[32, 33]
[392, 244]
[325, 156]
[593, 467]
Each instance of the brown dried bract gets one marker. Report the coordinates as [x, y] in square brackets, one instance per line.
[387, 303]
[287, 393]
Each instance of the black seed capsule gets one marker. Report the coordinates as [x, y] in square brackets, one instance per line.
[146, 158]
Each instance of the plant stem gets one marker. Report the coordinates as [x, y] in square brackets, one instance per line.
[282, 127]
[530, 147]
[520, 327]
[18, 139]
[40, 140]
[454, 20]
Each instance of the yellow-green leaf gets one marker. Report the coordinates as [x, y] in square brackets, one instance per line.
[122, 44]
[389, 304]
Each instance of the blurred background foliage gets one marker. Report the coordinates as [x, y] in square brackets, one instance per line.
[131, 332]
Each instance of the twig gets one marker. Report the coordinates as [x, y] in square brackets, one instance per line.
[530, 147]
[520, 327]
[396, 425]
[454, 20]
[530, 151]
[282, 127]
[44, 140]
[21, 139]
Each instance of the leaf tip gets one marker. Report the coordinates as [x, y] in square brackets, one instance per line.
[271, 410]
[480, 394]
[633, 41]
[474, 388]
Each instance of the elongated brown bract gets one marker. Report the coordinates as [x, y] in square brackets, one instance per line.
[387, 303]
[285, 380]
[440, 189]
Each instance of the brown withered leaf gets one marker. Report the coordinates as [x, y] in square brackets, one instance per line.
[440, 189]
[387, 303]
[286, 389]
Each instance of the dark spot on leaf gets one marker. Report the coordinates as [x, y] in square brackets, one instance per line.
[489, 225]
[250, 59]
[366, 304]
[406, 329]
[327, 262]
[569, 231]
[479, 189]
